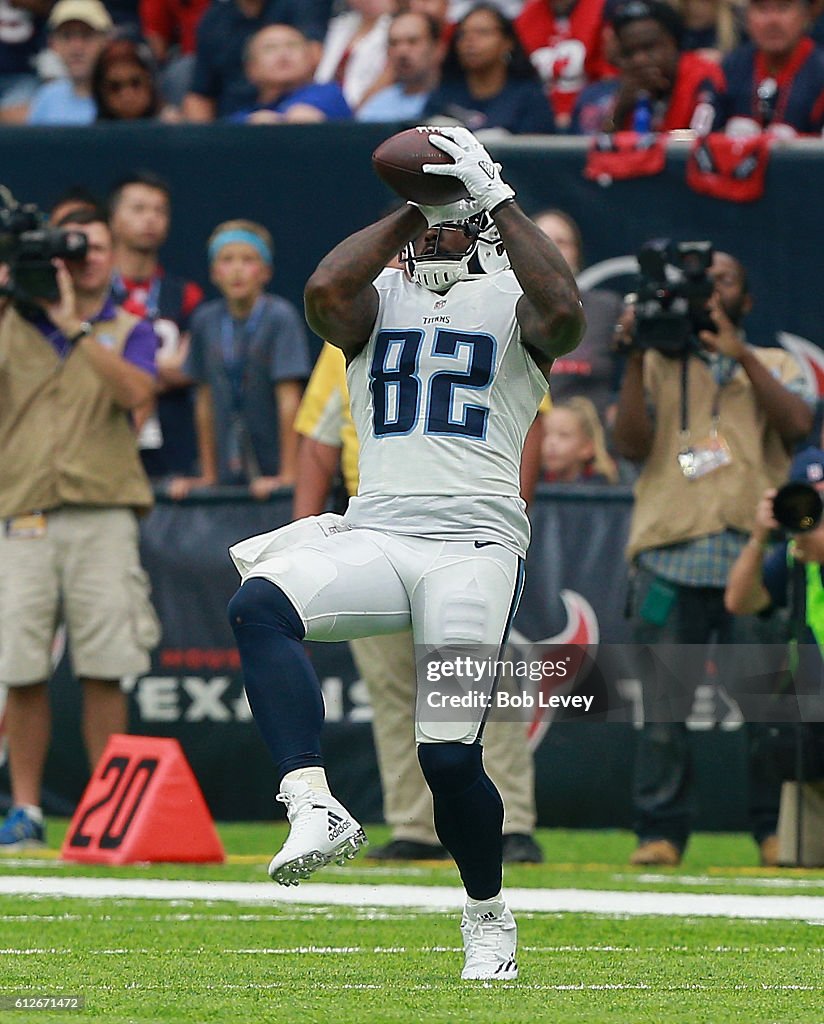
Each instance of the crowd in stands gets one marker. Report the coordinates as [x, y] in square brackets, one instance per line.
[518, 66]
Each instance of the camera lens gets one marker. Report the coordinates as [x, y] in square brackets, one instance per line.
[798, 507]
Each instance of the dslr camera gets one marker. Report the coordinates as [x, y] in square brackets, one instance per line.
[28, 245]
[673, 289]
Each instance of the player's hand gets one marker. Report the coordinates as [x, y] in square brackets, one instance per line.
[473, 166]
[460, 210]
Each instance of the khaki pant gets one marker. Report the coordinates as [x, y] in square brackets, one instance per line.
[387, 666]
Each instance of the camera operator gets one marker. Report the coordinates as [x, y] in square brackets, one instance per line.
[789, 576]
[710, 425]
[71, 369]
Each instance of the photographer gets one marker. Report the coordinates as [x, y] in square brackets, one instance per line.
[787, 576]
[72, 366]
[711, 423]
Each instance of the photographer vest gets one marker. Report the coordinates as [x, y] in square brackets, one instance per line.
[64, 440]
[669, 508]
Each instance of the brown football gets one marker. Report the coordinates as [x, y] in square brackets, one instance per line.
[398, 162]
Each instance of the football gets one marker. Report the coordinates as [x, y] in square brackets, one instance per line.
[398, 162]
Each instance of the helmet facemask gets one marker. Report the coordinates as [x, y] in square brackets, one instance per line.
[484, 255]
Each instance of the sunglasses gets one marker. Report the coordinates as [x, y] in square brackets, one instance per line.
[117, 85]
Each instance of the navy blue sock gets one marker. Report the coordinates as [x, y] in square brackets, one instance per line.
[469, 813]
[283, 689]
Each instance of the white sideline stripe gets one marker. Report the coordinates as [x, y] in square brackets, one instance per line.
[587, 901]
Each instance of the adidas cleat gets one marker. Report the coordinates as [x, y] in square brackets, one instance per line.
[490, 939]
[322, 832]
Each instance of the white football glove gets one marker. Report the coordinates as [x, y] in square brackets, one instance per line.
[461, 209]
[473, 166]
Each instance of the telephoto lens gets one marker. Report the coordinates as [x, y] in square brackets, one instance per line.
[798, 507]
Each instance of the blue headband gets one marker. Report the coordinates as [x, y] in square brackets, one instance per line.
[240, 235]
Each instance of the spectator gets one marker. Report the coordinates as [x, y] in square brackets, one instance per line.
[488, 81]
[775, 81]
[354, 51]
[124, 86]
[710, 429]
[22, 24]
[574, 448]
[71, 371]
[219, 86]
[387, 663]
[658, 87]
[140, 213]
[416, 52]
[77, 34]
[169, 27]
[250, 358]
[279, 65]
[593, 369]
[565, 42]
[711, 27]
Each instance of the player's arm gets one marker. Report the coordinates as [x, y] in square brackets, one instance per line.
[531, 460]
[340, 300]
[549, 312]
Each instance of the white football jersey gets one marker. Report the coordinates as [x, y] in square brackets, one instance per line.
[442, 396]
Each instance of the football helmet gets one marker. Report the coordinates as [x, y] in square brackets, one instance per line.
[439, 270]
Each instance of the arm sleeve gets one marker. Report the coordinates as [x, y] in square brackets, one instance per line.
[141, 346]
[289, 358]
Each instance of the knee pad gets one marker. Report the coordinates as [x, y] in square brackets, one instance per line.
[261, 603]
[450, 768]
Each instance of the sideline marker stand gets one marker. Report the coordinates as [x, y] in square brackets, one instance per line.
[142, 803]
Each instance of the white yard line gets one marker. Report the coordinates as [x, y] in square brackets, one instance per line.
[431, 898]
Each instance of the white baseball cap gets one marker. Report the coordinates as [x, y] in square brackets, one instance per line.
[89, 12]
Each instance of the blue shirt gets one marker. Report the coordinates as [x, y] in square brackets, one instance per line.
[520, 107]
[269, 347]
[327, 98]
[57, 103]
[393, 104]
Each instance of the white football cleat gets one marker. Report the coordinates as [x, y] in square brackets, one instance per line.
[322, 831]
[490, 938]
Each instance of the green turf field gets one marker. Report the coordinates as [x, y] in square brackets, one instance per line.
[141, 960]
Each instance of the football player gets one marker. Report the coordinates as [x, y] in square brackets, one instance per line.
[447, 364]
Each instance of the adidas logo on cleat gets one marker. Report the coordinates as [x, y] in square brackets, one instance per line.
[337, 826]
[505, 968]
